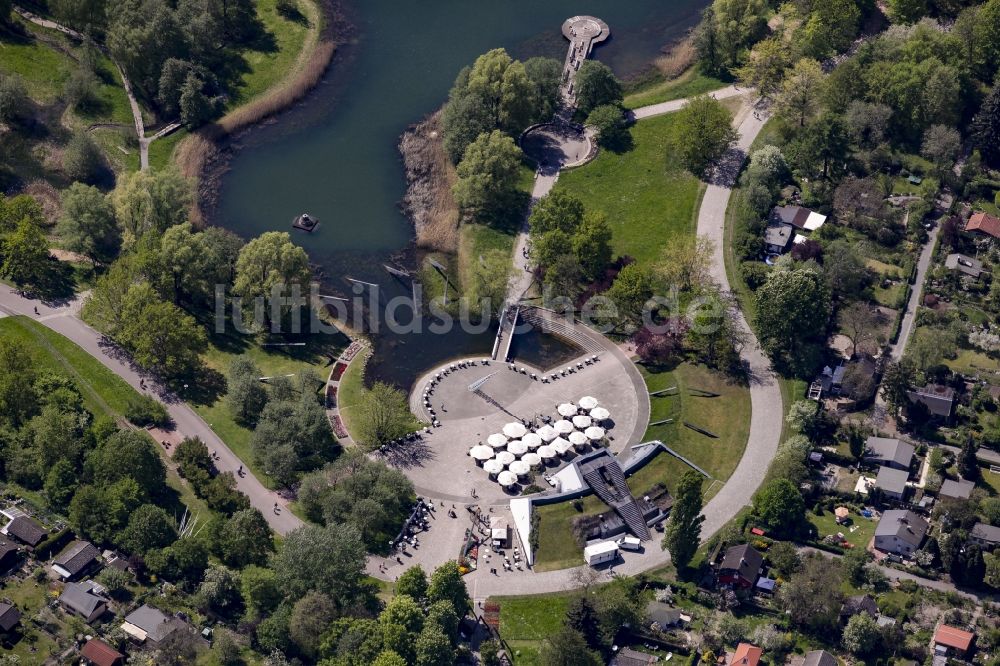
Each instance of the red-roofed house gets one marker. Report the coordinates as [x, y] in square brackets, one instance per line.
[99, 653]
[984, 223]
[746, 655]
[948, 639]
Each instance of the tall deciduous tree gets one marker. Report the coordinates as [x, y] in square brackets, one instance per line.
[488, 177]
[703, 132]
[557, 210]
[897, 380]
[25, 255]
[801, 92]
[860, 323]
[766, 66]
[629, 293]
[327, 559]
[779, 507]
[596, 85]
[683, 532]
[812, 596]
[986, 126]
[446, 584]
[382, 416]
[87, 224]
[272, 262]
[792, 309]
[151, 201]
[245, 395]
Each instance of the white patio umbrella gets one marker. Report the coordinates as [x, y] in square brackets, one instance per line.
[481, 452]
[594, 433]
[561, 446]
[564, 427]
[517, 447]
[532, 459]
[547, 433]
[505, 458]
[600, 414]
[514, 430]
[493, 466]
[588, 402]
[581, 421]
[506, 478]
[497, 440]
[520, 467]
[532, 440]
[546, 452]
[577, 438]
[566, 409]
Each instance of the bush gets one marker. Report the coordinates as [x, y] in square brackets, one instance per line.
[13, 98]
[82, 159]
[145, 410]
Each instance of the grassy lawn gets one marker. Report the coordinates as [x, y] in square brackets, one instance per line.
[970, 361]
[557, 547]
[474, 241]
[884, 269]
[30, 597]
[858, 533]
[688, 84]
[648, 199]
[791, 391]
[44, 69]
[352, 387]
[162, 150]
[288, 37]
[273, 362]
[727, 415]
[891, 295]
[527, 620]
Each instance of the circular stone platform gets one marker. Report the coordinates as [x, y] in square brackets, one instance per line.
[557, 146]
[585, 28]
[441, 467]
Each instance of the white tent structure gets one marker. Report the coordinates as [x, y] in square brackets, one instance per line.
[497, 440]
[532, 440]
[532, 459]
[577, 439]
[505, 458]
[594, 433]
[581, 421]
[493, 466]
[520, 467]
[547, 433]
[588, 402]
[600, 414]
[517, 447]
[566, 409]
[506, 478]
[546, 452]
[481, 452]
[564, 427]
[561, 446]
[514, 430]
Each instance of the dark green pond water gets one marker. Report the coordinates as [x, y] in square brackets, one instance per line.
[335, 155]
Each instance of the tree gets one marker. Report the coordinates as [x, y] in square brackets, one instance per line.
[658, 348]
[581, 616]
[389, 658]
[856, 441]
[868, 123]
[830, 28]
[860, 323]
[683, 533]
[269, 265]
[766, 66]
[147, 201]
[245, 394]
[292, 435]
[563, 275]
[545, 75]
[861, 635]
[609, 122]
[592, 245]
[557, 210]
[778, 506]
[446, 584]
[491, 278]
[259, 589]
[82, 159]
[941, 145]
[985, 126]
[219, 590]
[595, 86]
[706, 43]
[812, 597]
[128, 454]
[328, 559]
[738, 24]
[629, 293]
[488, 176]
[792, 309]
[196, 108]
[25, 255]
[897, 380]
[87, 224]
[907, 11]
[148, 528]
[801, 92]
[822, 148]
[703, 132]
[404, 611]
[160, 336]
[311, 616]
[567, 647]
[383, 416]
[433, 648]
[767, 167]
[245, 539]
[60, 484]
[844, 270]
[14, 101]
[985, 50]
[968, 465]
[412, 583]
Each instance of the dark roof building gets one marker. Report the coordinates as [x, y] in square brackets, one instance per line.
[73, 561]
[965, 265]
[889, 451]
[9, 617]
[892, 482]
[859, 603]
[79, 598]
[777, 237]
[819, 658]
[741, 566]
[985, 535]
[956, 489]
[938, 399]
[8, 555]
[151, 624]
[797, 216]
[900, 531]
[98, 653]
[26, 530]
[629, 657]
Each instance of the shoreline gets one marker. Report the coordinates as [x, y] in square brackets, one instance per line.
[204, 154]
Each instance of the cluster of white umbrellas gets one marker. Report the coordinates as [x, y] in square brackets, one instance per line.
[513, 452]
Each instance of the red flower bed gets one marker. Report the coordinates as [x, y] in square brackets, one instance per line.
[338, 372]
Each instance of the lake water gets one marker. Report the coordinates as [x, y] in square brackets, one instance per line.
[335, 155]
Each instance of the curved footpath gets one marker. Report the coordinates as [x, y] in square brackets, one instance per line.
[767, 413]
[64, 319]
